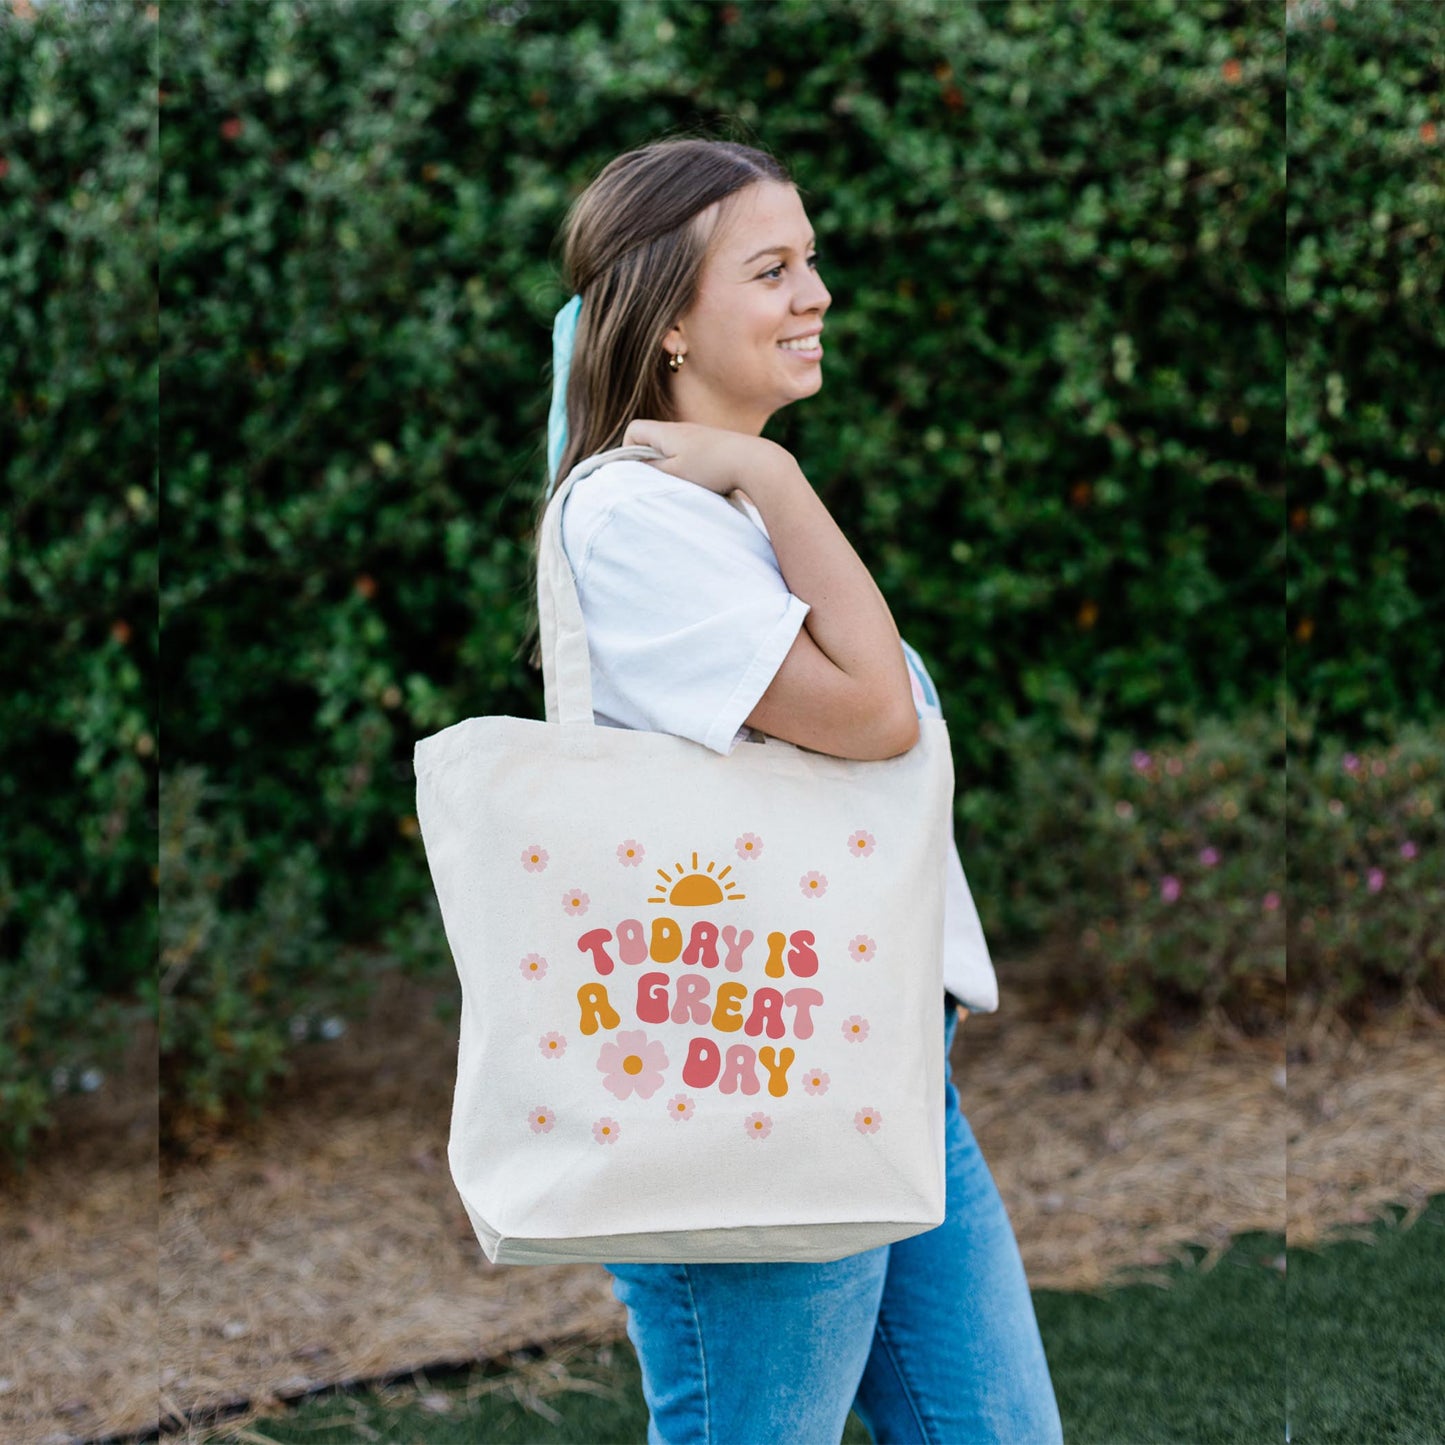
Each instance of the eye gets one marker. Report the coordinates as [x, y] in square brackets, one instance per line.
[813, 260]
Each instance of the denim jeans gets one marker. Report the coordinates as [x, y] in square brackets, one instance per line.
[932, 1339]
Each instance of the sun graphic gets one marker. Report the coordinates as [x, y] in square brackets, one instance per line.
[694, 889]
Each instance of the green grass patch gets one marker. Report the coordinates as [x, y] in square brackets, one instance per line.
[1366, 1342]
[1199, 1359]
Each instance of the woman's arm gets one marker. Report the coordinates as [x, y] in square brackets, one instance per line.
[843, 688]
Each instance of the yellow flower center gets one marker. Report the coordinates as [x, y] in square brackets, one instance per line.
[862, 948]
[867, 1118]
[855, 1028]
[605, 1129]
[682, 1108]
[631, 853]
[632, 1064]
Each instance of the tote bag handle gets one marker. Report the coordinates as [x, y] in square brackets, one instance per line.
[566, 662]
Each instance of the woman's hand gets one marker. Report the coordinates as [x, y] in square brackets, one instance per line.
[711, 456]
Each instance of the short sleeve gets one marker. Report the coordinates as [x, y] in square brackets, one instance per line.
[688, 617]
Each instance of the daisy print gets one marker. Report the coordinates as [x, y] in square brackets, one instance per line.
[632, 1063]
[862, 948]
[541, 1119]
[606, 1131]
[813, 885]
[867, 1120]
[552, 1046]
[815, 1081]
[574, 901]
[534, 858]
[862, 843]
[855, 1028]
[749, 845]
[680, 1107]
[758, 1126]
[533, 965]
[630, 853]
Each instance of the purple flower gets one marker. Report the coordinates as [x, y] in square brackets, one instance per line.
[1141, 760]
[1408, 849]
[1169, 888]
[1375, 879]
[1350, 763]
[1209, 856]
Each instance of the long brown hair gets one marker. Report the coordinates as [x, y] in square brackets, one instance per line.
[634, 244]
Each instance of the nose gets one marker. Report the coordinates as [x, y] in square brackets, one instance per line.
[816, 296]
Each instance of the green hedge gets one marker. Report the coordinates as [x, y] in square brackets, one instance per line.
[1366, 324]
[78, 560]
[1050, 420]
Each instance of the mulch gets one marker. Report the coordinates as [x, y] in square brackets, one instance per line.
[326, 1243]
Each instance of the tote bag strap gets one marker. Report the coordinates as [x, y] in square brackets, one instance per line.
[566, 663]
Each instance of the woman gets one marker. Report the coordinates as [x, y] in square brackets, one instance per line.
[710, 610]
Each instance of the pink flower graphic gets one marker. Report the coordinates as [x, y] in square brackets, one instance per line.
[867, 1120]
[633, 1063]
[630, 853]
[862, 947]
[574, 901]
[541, 1119]
[855, 1028]
[680, 1107]
[813, 885]
[534, 858]
[815, 1081]
[1169, 888]
[605, 1131]
[862, 843]
[552, 1046]
[533, 965]
[749, 845]
[758, 1126]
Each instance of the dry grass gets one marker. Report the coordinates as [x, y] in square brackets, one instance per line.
[327, 1243]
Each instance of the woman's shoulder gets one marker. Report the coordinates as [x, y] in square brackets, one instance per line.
[629, 497]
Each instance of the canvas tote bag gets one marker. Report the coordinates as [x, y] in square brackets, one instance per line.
[700, 994]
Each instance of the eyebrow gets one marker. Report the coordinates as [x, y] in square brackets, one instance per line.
[770, 250]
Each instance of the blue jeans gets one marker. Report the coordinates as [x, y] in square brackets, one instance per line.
[932, 1339]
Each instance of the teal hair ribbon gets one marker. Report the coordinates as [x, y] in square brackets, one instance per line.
[564, 333]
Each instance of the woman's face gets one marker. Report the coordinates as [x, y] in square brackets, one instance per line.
[737, 372]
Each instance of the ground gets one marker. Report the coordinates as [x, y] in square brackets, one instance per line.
[327, 1242]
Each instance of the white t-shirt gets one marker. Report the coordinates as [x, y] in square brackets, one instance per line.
[688, 620]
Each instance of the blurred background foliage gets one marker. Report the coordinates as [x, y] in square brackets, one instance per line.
[79, 368]
[1051, 424]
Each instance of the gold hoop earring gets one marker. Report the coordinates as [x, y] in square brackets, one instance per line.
[676, 360]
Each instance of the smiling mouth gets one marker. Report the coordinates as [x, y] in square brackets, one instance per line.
[811, 352]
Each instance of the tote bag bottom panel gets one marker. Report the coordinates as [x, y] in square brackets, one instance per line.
[811, 1244]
